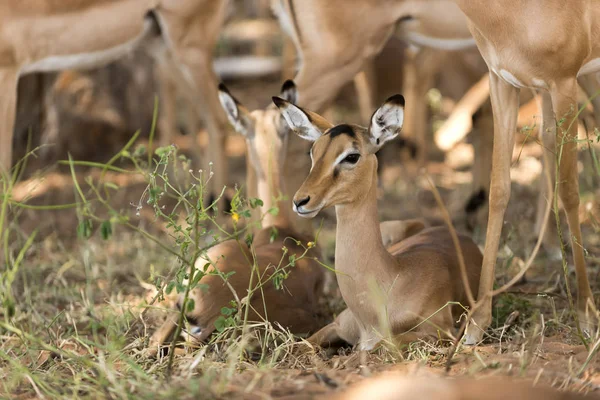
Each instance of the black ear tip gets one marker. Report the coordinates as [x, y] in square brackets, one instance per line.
[223, 88]
[396, 99]
[288, 85]
[279, 102]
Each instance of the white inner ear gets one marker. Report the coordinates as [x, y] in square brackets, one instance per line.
[386, 123]
[299, 122]
[230, 107]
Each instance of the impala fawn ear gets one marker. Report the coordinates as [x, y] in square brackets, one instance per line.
[237, 114]
[298, 120]
[386, 122]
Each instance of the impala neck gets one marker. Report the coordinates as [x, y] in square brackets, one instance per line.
[270, 185]
[359, 246]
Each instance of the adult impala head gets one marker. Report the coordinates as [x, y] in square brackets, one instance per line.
[344, 165]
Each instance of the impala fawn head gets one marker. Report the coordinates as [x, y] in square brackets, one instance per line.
[265, 130]
[344, 165]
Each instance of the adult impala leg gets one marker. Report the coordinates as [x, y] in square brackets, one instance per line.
[420, 69]
[9, 79]
[564, 102]
[548, 135]
[505, 105]
[364, 83]
[192, 36]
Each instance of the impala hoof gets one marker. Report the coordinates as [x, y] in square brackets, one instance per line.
[473, 335]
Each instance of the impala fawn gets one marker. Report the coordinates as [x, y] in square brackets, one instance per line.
[413, 280]
[295, 306]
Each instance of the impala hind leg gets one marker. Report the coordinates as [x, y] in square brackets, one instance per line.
[420, 69]
[192, 37]
[564, 102]
[343, 329]
[483, 144]
[9, 79]
[505, 103]
[548, 136]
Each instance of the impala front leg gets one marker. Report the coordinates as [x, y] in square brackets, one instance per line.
[505, 104]
[564, 102]
[8, 108]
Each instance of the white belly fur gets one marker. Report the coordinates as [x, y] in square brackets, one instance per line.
[439, 43]
[590, 67]
[86, 60]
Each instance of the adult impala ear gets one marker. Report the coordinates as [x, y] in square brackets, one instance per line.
[298, 120]
[237, 114]
[386, 122]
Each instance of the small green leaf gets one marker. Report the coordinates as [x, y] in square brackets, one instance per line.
[274, 234]
[106, 230]
[170, 287]
[245, 213]
[255, 203]
[292, 260]
[221, 323]
[274, 211]
[190, 305]
[84, 229]
[226, 311]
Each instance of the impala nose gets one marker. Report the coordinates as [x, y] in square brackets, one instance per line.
[301, 202]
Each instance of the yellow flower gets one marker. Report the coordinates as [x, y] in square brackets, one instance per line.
[310, 245]
[235, 217]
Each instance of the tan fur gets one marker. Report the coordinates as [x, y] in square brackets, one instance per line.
[379, 284]
[525, 45]
[294, 307]
[396, 386]
[35, 30]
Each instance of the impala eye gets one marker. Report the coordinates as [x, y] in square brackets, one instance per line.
[351, 158]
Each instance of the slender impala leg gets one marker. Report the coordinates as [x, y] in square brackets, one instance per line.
[364, 83]
[168, 104]
[505, 105]
[192, 37]
[420, 69]
[548, 134]
[483, 143]
[564, 102]
[591, 86]
[8, 107]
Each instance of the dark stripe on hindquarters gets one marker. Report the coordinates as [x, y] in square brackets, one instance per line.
[477, 200]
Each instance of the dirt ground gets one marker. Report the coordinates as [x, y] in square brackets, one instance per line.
[77, 330]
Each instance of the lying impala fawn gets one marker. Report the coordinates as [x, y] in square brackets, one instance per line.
[417, 277]
[295, 306]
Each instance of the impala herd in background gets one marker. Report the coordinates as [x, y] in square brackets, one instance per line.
[550, 47]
